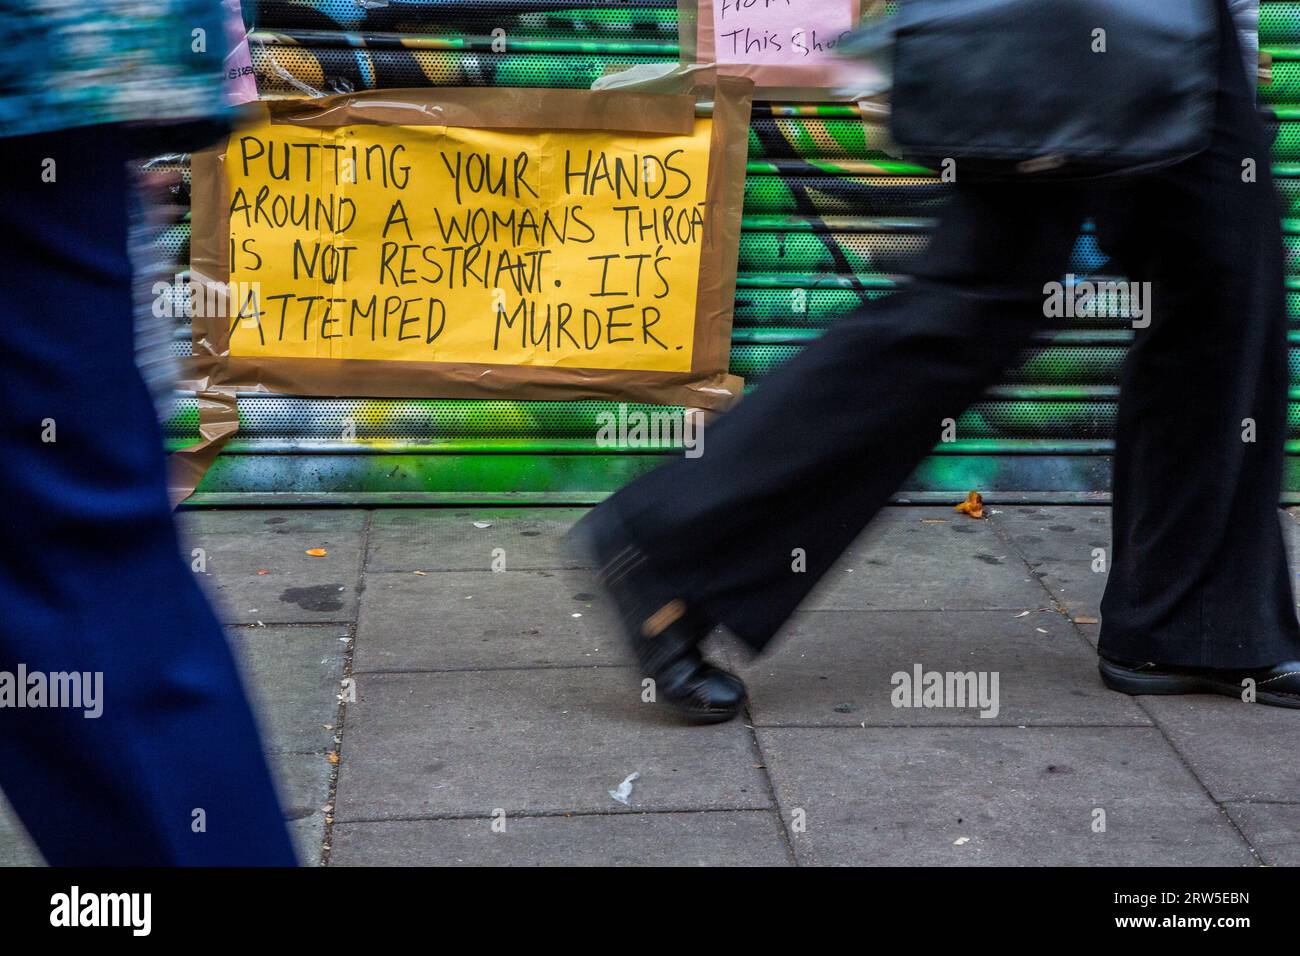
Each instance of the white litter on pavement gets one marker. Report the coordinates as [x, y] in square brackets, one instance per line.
[624, 792]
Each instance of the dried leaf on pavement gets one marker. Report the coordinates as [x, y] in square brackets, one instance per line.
[973, 505]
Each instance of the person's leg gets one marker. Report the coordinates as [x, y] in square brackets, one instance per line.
[803, 463]
[91, 579]
[1199, 574]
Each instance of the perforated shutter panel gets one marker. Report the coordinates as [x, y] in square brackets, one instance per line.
[830, 222]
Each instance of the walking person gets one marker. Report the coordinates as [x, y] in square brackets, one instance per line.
[163, 766]
[1198, 598]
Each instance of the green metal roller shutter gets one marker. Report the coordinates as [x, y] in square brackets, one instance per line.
[830, 221]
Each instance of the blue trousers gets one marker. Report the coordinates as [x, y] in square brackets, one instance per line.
[91, 578]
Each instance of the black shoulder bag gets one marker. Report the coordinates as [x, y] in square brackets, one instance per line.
[1060, 88]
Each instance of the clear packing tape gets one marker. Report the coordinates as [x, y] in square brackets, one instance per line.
[239, 83]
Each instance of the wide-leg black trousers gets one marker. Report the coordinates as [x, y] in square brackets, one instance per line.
[1199, 573]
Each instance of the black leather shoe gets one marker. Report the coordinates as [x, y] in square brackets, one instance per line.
[1278, 685]
[684, 680]
[659, 630]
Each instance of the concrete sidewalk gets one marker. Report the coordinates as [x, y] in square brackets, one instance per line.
[483, 696]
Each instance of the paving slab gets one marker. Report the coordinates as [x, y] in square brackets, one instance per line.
[725, 838]
[838, 668]
[1241, 751]
[293, 674]
[451, 539]
[1291, 534]
[303, 781]
[252, 578]
[1091, 630]
[478, 619]
[920, 558]
[480, 690]
[1055, 532]
[469, 742]
[16, 847]
[279, 522]
[1074, 585]
[994, 796]
[1059, 542]
[1273, 829]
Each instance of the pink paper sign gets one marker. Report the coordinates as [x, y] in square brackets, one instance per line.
[780, 32]
[785, 45]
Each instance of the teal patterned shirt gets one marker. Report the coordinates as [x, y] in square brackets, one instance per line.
[77, 62]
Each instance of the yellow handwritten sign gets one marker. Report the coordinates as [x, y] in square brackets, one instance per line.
[576, 249]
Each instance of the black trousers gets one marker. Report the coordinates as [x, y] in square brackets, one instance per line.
[1199, 573]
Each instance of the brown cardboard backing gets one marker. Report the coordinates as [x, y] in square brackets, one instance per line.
[668, 110]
